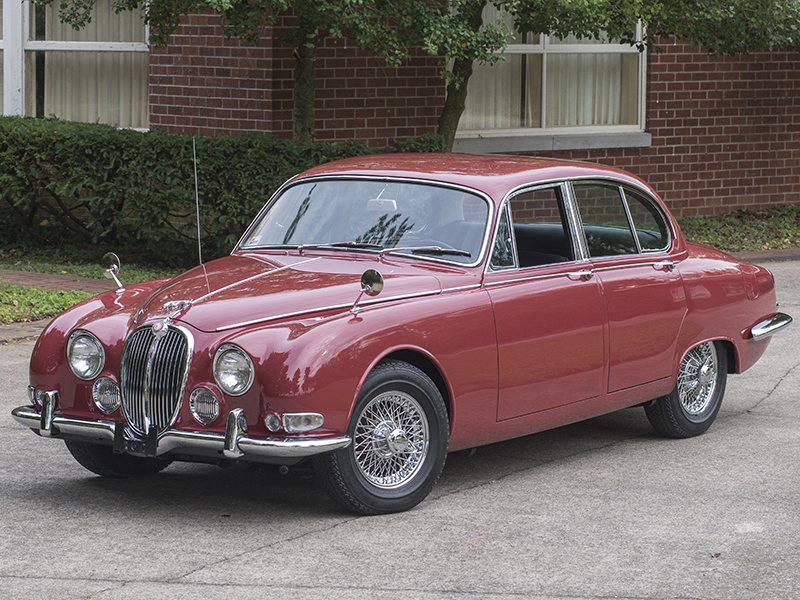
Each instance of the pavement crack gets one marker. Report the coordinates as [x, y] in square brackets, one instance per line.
[276, 543]
[773, 390]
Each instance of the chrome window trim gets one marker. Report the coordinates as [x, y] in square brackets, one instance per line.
[487, 237]
[664, 218]
[621, 184]
[569, 213]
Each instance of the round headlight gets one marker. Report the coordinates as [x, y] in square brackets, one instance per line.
[106, 395]
[85, 355]
[233, 370]
[204, 405]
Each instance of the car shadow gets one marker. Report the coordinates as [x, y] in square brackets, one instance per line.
[206, 493]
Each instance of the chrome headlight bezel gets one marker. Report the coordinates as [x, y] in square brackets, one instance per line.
[84, 346]
[231, 362]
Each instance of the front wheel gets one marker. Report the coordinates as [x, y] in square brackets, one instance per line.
[692, 406]
[102, 461]
[400, 434]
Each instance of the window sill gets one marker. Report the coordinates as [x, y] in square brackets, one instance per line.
[552, 143]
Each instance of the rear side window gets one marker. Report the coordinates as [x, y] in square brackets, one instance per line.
[605, 221]
[651, 228]
[618, 221]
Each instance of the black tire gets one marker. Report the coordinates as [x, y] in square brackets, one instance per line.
[692, 406]
[400, 432]
[102, 461]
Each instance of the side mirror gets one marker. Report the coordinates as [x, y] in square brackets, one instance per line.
[371, 282]
[112, 266]
[371, 285]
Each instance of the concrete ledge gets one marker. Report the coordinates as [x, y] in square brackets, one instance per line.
[552, 143]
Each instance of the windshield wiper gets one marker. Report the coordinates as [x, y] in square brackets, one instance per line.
[356, 245]
[435, 250]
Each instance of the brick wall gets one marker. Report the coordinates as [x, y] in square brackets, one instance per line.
[204, 83]
[725, 132]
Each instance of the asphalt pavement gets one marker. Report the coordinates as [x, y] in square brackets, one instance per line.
[597, 510]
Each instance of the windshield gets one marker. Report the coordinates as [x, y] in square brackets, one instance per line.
[379, 216]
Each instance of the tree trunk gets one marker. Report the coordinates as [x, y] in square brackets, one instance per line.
[457, 89]
[305, 58]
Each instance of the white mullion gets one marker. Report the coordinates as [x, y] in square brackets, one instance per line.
[543, 86]
[15, 27]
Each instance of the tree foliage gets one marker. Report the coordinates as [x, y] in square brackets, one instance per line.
[455, 30]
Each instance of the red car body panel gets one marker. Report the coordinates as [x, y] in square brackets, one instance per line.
[514, 352]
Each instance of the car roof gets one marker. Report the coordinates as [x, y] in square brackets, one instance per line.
[494, 174]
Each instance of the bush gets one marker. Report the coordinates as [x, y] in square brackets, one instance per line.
[77, 184]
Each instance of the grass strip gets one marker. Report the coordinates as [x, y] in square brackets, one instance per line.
[21, 304]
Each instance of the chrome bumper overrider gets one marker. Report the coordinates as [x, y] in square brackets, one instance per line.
[234, 444]
[769, 326]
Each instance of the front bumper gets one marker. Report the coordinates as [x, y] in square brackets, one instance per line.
[235, 444]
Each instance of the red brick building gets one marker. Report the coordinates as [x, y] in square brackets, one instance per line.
[711, 135]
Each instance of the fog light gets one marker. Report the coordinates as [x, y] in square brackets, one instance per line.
[204, 406]
[106, 395]
[301, 422]
[273, 422]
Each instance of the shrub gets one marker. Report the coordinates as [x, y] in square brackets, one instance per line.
[78, 184]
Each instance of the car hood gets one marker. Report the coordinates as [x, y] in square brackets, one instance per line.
[240, 290]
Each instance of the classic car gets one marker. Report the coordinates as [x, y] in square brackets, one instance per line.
[383, 311]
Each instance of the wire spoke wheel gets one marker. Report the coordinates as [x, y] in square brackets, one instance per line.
[400, 433]
[697, 379]
[692, 406]
[391, 440]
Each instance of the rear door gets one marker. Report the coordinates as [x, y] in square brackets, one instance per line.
[628, 239]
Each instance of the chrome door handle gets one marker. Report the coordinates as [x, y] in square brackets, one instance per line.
[665, 265]
[581, 276]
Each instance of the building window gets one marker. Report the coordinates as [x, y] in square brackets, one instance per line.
[96, 74]
[555, 86]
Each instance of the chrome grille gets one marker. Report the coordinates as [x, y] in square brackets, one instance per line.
[153, 376]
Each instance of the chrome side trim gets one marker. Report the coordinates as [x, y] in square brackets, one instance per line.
[347, 307]
[186, 442]
[768, 327]
[664, 265]
[584, 274]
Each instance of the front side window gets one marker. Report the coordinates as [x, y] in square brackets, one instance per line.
[539, 228]
[545, 83]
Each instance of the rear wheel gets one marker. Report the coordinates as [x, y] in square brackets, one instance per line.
[692, 406]
[102, 461]
[400, 433]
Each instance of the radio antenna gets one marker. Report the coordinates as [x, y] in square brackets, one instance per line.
[197, 202]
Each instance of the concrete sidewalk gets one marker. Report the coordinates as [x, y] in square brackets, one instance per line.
[25, 331]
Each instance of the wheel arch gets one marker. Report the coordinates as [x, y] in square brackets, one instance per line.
[430, 368]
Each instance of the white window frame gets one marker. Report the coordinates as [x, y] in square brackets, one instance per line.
[544, 138]
[16, 43]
